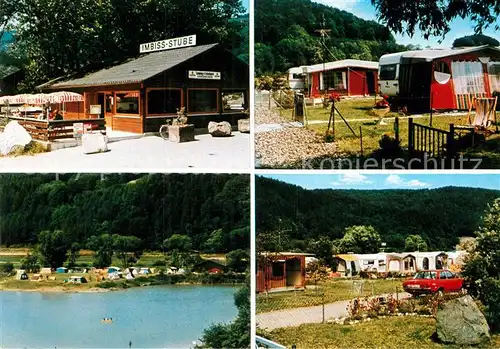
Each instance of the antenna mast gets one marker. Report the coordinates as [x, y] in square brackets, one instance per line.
[323, 32]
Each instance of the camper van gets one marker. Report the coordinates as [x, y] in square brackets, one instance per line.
[439, 79]
[388, 74]
[297, 78]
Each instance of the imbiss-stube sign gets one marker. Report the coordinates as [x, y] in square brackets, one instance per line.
[168, 44]
[207, 75]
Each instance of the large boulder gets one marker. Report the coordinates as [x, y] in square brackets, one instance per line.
[219, 129]
[244, 125]
[14, 136]
[94, 143]
[460, 322]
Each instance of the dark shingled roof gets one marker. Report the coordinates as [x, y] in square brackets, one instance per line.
[137, 70]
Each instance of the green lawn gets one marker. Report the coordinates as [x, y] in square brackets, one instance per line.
[146, 260]
[389, 333]
[329, 292]
[372, 131]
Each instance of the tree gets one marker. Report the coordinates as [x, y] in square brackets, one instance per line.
[53, 247]
[124, 246]
[237, 260]
[65, 44]
[360, 239]
[323, 250]
[178, 242]
[30, 263]
[415, 243]
[482, 265]
[316, 271]
[235, 334]
[102, 245]
[74, 253]
[6, 268]
[475, 40]
[8, 10]
[434, 17]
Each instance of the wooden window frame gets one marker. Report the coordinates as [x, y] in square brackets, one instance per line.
[203, 89]
[161, 115]
[127, 115]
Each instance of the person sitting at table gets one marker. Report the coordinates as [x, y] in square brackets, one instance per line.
[55, 115]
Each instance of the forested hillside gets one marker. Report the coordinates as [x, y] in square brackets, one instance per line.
[214, 210]
[440, 216]
[285, 35]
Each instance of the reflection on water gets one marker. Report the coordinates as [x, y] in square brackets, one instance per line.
[154, 317]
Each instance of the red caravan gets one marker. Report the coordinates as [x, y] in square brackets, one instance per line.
[440, 79]
[350, 77]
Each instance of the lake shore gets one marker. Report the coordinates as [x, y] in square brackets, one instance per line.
[58, 288]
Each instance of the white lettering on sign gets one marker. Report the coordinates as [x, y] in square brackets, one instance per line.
[168, 44]
[207, 75]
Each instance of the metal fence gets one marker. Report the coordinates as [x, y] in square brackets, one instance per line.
[320, 302]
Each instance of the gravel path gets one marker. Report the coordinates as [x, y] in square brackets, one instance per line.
[280, 142]
[307, 315]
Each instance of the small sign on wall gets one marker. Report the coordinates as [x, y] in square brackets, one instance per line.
[78, 129]
[206, 75]
[95, 109]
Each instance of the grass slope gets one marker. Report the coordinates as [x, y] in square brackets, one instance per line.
[389, 333]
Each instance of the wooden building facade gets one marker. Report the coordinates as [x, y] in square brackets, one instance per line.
[140, 95]
[284, 270]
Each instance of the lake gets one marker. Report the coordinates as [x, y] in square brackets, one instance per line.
[152, 317]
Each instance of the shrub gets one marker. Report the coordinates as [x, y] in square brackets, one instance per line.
[106, 284]
[389, 146]
[364, 275]
[7, 268]
[329, 137]
[285, 98]
[159, 263]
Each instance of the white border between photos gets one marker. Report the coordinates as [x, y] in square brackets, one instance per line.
[253, 270]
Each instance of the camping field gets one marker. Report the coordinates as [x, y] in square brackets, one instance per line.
[358, 114]
[328, 292]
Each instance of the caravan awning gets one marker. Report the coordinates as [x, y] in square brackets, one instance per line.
[347, 257]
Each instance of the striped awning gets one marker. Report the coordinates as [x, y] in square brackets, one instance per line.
[65, 97]
[41, 98]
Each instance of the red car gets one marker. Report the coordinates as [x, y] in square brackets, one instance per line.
[433, 281]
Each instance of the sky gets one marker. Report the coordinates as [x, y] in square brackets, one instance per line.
[356, 180]
[364, 9]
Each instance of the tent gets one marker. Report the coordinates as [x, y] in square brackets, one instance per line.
[129, 276]
[113, 270]
[61, 270]
[21, 275]
[113, 276]
[77, 280]
[37, 277]
[144, 271]
[46, 271]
